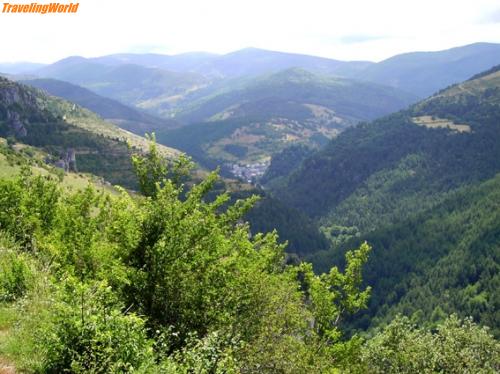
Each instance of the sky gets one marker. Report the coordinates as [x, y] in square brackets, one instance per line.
[346, 30]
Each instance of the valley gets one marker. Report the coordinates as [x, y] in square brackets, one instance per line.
[248, 212]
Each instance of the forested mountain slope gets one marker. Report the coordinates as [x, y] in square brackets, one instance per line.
[422, 186]
[444, 260]
[441, 143]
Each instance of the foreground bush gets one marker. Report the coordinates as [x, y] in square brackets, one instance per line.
[16, 271]
[89, 333]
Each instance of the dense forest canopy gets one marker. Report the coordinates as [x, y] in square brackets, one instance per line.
[421, 186]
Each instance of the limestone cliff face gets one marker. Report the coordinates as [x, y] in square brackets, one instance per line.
[17, 106]
[16, 124]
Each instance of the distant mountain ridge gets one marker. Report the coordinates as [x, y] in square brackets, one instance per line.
[109, 109]
[349, 99]
[424, 73]
[136, 85]
[296, 97]
[420, 73]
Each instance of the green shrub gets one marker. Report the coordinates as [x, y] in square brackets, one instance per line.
[90, 334]
[15, 273]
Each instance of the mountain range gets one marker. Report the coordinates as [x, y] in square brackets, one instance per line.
[245, 106]
[420, 73]
[250, 122]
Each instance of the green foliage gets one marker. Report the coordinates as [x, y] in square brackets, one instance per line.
[27, 206]
[300, 232]
[90, 334]
[212, 354]
[455, 347]
[153, 169]
[211, 296]
[16, 274]
[335, 294]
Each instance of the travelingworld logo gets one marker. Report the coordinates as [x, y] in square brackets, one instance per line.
[40, 8]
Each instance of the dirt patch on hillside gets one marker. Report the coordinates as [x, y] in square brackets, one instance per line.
[436, 122]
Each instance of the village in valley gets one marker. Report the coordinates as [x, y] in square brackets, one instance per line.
[249, 172]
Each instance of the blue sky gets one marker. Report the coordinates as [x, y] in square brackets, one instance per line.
[346, 30]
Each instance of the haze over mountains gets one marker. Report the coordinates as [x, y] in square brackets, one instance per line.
[403, 71]
[244, 106]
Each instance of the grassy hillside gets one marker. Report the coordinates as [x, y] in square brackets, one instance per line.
[15, 157]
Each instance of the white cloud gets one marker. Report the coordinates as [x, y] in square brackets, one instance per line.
[355, 29]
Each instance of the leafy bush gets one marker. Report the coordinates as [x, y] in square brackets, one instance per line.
[222, 299]
[90, 333]
[16, 273]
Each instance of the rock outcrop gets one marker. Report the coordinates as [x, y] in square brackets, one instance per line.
[16, 107]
